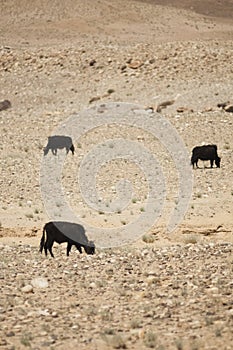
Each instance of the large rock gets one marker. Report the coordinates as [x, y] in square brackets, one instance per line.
[40, 282]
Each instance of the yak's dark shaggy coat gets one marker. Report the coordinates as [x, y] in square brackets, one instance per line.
[61, 232]
[206, 152]
[59, 142]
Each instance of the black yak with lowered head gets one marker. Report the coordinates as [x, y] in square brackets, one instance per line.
[59, 142]
[61, 232]
[206, 152]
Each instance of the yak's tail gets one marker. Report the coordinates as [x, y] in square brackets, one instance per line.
[192, 161]
[42, 241]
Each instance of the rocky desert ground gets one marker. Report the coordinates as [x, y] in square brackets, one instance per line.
[163, 290]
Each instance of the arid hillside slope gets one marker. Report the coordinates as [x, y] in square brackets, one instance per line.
[162, 291]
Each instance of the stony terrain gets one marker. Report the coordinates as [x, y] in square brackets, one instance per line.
[177, 297]
[164, 291]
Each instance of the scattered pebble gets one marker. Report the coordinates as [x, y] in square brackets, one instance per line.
[27, 289]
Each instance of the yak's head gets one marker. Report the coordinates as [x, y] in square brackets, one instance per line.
[217, 162]
[90, 248]
[46, 150]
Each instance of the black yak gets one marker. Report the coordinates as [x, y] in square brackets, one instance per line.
[61, 232]
[59, 142]
[206, 152]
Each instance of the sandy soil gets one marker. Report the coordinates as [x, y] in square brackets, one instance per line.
[164, 291]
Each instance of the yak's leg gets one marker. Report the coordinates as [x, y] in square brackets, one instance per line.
[211, 163]
[79, 248]
[50, 250]
[69, 246]
[72, 149]
[48, 246]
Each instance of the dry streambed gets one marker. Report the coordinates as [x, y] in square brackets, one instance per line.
[177, 297]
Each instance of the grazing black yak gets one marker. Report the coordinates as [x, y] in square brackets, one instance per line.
[61, 232]
[59, 142]
[206, 152]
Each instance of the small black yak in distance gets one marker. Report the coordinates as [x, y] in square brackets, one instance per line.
[206, 152]
[61, 232]
[59, 142]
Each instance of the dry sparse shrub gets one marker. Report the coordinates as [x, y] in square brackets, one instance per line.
[26, 340]
[100, 283]
[92, 311]
[191, 239]
[135, 323]
[209, 321]
[106, 315]
[109, 331]
[218, 332]
[195, 345]
[150, 340]
[179, 344]
[117, 342]
[148, 238]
